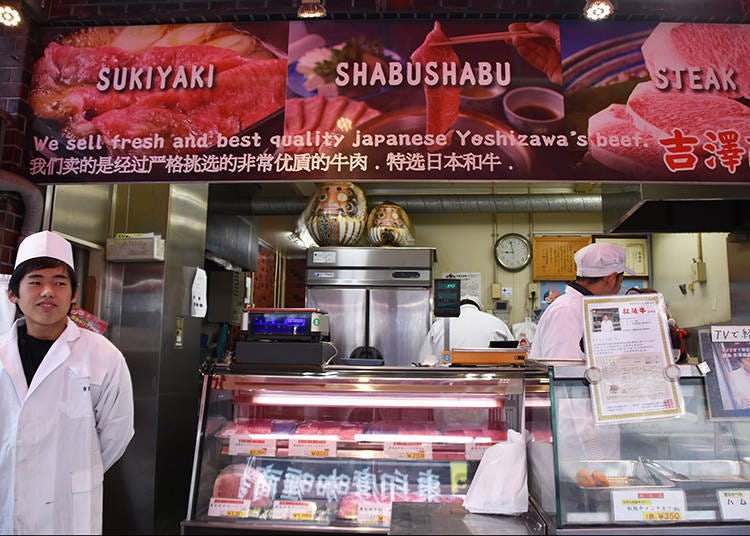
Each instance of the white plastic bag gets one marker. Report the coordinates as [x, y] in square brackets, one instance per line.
[499, 485]
[524, 333]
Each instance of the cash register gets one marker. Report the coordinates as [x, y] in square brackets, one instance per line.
[286, 337]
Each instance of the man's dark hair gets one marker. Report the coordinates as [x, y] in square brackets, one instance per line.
[39, 263]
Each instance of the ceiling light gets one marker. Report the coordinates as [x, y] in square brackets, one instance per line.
[598, 9]
[311, 9]
[9, 16]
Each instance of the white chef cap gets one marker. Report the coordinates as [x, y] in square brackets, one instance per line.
[45, 244]
[600, 259]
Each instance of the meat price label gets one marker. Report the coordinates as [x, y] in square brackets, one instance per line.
[312, 448]
[294, 510]
[401, 450]
[218, 507]
[252, 446]
[475, 451]
[374, 513]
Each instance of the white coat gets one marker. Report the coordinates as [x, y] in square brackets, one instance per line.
[560, 329]
[61, 433]
[472, 329]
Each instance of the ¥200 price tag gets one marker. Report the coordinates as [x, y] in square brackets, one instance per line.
[218, 507]
[653, 506]
[252, 446]
[734, 504]
[401, 450]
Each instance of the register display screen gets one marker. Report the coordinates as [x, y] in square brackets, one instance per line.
[280, 326]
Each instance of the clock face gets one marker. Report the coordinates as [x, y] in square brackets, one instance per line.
[513, 252]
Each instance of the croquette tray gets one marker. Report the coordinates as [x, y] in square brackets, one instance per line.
[621, 474]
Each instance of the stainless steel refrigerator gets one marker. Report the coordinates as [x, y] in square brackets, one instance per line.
[375, 297]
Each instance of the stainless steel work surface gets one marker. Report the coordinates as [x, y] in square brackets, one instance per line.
[450, 518]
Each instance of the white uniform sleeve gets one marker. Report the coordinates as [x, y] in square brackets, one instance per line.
[114, 413]
[428, 353]
[558, 335]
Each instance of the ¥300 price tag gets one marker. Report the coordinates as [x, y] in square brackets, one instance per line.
[654, 506]
[228, 507]
[734, 504]
[294, 510]
[407, 451]
[252, 446]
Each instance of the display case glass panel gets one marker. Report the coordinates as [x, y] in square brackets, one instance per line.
[689, 471]
[333, 450]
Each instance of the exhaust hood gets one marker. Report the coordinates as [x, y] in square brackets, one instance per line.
[675, 208]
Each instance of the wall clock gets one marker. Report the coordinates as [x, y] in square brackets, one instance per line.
[512, 252]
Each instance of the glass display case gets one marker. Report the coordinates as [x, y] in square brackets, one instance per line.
[689, 474]
[333, 450]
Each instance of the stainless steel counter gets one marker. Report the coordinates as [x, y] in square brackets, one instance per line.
[451, 518]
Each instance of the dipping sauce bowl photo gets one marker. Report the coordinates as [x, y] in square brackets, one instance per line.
[535, 110]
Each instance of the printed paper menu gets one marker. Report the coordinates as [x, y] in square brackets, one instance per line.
[629, 359]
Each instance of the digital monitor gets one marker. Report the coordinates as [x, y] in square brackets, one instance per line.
[447, 296]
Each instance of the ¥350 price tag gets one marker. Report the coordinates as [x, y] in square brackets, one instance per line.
[401, 450]
[228, 507]
[653, 506]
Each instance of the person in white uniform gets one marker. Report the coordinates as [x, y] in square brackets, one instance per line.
[606, 325]
[600, 268]
[739, 383]
[473, 328]
[66, 401]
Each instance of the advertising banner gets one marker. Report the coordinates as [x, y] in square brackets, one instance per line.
[392, 100]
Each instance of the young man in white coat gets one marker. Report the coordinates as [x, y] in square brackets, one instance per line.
[66, 401]
[600, 268]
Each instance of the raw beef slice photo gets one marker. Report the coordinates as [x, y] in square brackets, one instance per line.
[658, 112]
[717, 47]
[442, 102]
[614, 123]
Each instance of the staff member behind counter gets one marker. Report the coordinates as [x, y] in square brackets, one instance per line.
[600, 268]
[473, 328]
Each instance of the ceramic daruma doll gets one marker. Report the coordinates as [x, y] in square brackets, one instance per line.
[336, 214]
[389, 225]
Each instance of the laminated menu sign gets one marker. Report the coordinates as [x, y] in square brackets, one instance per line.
[629, 359]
